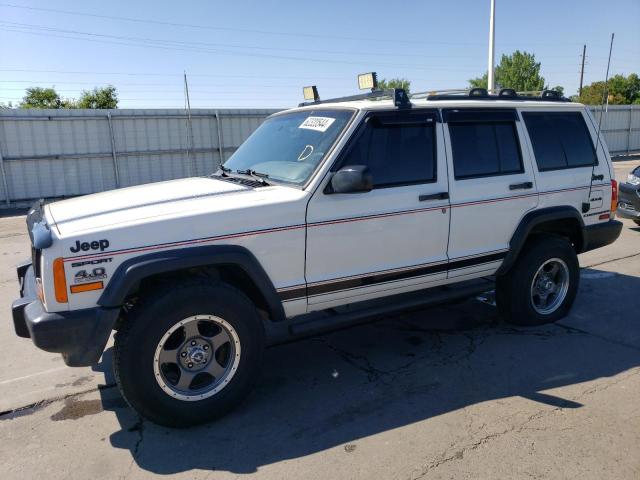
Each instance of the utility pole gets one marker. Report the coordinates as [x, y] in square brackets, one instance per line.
[490, 77]
[584, 52]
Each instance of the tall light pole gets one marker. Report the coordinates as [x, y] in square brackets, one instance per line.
[491, 80]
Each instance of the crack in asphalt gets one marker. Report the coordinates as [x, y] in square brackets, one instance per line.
[605, 339]
[612, 260]
[40, 404]
[138, 427]
[360, 362]
[9, 235]
[541, 414]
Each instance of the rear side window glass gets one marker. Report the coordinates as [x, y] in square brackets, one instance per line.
[560, 140]
[397, 150]
[482, 149]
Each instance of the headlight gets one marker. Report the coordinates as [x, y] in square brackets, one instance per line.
[633, 180]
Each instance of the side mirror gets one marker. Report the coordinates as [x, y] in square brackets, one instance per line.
[352, 179]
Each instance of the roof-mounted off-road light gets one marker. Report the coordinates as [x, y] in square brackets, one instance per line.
[311, 93]
[368, 81]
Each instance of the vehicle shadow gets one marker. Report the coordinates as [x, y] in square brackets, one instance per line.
[334, 389]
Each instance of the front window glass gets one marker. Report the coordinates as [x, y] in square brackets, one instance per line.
[289, 147]
[398, 148]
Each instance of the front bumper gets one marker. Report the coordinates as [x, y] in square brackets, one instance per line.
[629, 201]
[79, 335]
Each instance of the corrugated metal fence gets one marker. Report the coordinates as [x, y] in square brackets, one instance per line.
[62, 153]
[621, 127]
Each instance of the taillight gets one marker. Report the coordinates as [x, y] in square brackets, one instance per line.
[59, 281]
[614, 197]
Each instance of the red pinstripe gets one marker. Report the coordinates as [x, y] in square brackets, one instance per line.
[317, 224]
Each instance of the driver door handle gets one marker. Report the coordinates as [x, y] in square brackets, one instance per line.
[434, 196]
[521, 186]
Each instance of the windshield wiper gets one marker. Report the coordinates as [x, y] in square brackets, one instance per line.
[259, 176]
[225, 172]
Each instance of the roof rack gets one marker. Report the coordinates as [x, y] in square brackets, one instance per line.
[484, 94]
[398, 95]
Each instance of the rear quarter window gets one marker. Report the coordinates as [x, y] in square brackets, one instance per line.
[560, 140]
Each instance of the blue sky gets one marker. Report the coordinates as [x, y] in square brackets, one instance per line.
[260, 54]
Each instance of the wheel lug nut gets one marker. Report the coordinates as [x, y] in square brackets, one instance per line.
[206, 347]
[190, 365]
[193, 342]
[183, 354]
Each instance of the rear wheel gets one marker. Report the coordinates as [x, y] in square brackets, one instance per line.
[189, 354]
[542, 284]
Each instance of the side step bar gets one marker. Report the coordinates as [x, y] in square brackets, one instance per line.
[368, 311]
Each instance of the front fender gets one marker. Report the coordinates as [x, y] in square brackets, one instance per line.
[130, 273]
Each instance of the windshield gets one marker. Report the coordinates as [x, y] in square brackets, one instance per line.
[290, 146]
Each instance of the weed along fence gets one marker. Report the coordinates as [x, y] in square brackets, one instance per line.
[63, 153]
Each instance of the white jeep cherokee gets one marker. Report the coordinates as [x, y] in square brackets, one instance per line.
[327, 215]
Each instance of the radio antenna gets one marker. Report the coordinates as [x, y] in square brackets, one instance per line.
[605, 104]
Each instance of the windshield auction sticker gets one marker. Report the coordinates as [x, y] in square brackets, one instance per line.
[319, 124]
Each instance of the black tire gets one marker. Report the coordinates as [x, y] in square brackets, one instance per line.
[637, 222]
[146, 324]
[513, 290]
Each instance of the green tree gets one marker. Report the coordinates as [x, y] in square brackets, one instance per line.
[622, 91]
[403, 83]
[519, 71]
[105, 97]
[37, 97]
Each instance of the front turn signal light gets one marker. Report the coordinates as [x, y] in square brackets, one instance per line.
[59, 281]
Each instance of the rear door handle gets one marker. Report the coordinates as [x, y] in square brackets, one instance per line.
[434, 196]
[521, 186]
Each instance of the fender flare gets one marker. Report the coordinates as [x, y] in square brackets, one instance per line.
[533, 219]
[131, 272]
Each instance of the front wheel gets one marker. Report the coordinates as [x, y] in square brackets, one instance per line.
[188, 354]
[542, 284]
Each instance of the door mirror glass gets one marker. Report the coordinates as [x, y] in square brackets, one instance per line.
[352, 179]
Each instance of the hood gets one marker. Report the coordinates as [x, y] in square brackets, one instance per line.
[141, 202]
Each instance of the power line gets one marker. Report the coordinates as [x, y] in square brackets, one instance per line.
[233, 29]
[168, 74]
[144, 42]
[385, 40]
[222, 52]
[228, 45]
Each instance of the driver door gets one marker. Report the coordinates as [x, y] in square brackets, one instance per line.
[393, 238]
